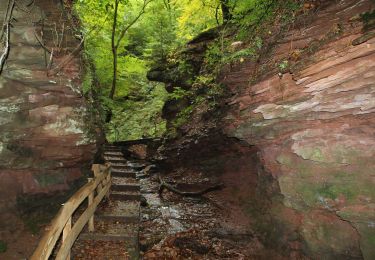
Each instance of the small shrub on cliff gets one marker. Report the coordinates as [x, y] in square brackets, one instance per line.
[283, 66]
[368, 19]
[205, 79]
[3, 246]
[183, 116]
[178, 93]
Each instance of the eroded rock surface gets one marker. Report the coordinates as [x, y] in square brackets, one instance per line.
[305, 108]
[314, 126]
[48, 133]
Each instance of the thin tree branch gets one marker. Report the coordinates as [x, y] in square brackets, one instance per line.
[141, 12]
[115, 44]
[66, 60]
[6, 32]
[41, 43]
[114, 56]
[27, 8]
[49, 65]
[62, 36]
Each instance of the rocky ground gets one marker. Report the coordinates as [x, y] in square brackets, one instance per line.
[201, 227]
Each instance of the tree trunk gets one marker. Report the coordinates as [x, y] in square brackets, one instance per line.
[227, 14]
[114, 51]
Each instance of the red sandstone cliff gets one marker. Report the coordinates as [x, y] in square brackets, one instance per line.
[48, 133]
[306, 108]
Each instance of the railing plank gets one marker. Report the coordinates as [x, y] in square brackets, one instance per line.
[66, 231]
[49, 239]
[91, 219]
[79, 225]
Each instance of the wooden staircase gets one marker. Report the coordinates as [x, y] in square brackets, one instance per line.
[118, 218]
[88, 226]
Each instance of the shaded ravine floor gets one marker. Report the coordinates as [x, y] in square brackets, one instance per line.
[176, 227]
[139, 223]
[136, 222]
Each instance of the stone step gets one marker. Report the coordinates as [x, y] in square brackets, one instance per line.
[142, 176]
[112, 149]
[114, 158]
[125, 196]
[108, 153]
[111, 146]
[126, 187]
[129, 243]
[106, 237]
[131, 165]
[113, 228]
[125, 174]
[122, 165]
[121, 180]
[136, 165]
[122, 169]
[104, 250]
[112, 162]
[118, 208]
[126, 219]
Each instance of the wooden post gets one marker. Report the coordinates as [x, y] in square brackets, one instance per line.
[91, 219]
[110, 184]
[97, 169]
[66, 231]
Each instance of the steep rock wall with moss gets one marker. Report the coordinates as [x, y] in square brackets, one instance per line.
[306, 106]
[48, 133]
[311, 114]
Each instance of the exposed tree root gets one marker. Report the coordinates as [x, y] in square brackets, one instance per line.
[163, 185]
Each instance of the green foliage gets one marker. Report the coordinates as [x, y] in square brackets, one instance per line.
[137, 105]
[250, 25]
[183, 117]
[368, 19]
[3, 246]
[87, 82]
[244, 53]
[157, 38]
[178, 93]
[283, 66]
[135, 119]
[197, 16]
[205, 79]
[219, 54]
[214, 56]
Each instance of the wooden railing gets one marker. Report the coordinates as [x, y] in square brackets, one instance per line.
[61, 226]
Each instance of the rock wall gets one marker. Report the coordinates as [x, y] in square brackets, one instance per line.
[48, 132]
[304, 115]
[310, 113]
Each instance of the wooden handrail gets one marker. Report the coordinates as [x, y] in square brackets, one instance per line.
[61, 225]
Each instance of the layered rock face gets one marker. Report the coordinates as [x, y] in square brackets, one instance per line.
[48, 133]
[313, 124]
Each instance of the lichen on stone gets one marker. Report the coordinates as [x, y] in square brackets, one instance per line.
[64, 127]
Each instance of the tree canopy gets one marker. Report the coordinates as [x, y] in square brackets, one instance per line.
[125, 37]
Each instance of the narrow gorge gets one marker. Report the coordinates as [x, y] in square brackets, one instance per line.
[262, 132]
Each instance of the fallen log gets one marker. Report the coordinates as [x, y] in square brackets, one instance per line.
[163, 185]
